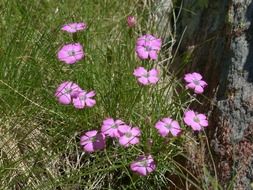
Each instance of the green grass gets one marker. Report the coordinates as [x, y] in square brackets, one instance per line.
[39, 137]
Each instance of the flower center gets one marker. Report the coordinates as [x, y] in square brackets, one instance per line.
[148, 48]
[168, 126]
[67, 90]
[128, 134]
[72, 53]
[146, 75]
[144, 163]
[196, 82]
[82, 97]
[93, 139]
[196, 119]
[148, 39]
[114, 126]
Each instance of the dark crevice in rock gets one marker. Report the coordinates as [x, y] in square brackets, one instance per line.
[248, 66]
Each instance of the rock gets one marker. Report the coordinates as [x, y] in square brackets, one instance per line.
[221, 33]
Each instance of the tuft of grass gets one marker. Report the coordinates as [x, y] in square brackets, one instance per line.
[40, 138]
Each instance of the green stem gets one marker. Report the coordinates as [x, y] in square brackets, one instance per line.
[134, 102]
[74, 37]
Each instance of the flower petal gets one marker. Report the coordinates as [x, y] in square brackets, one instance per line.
[141, 170]
[175, 130]
[162, 129]
[108, 121]
[203, 123]
[91, 133]
[69, 60]
[89, 147]
[143, 80]
[90, 94]
[78, 103]
[119, 122]
[153, 72]
[141, 52]
[167, 120]
[153, 55]
[202, 83]
[140, 71]
[191, 85]
[188, 120]
[153, 80]
[197, 76]
[135, 131]
[65, 99]
[188, 78]
[90, 102]
[124, 129]
[198, 89]
[134, 140]
[124, 141]
[196, 126]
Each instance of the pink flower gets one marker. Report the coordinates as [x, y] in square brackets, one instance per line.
[110, 127]
[195, 121]
[143, 165]
[167, 125]
[131, 21]
[92, 141]
[74, 27]
[194, 82]
[146, 77]
[129, 135]
[71, 53]
[66, 91]
[84, 99]
[148, 46]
